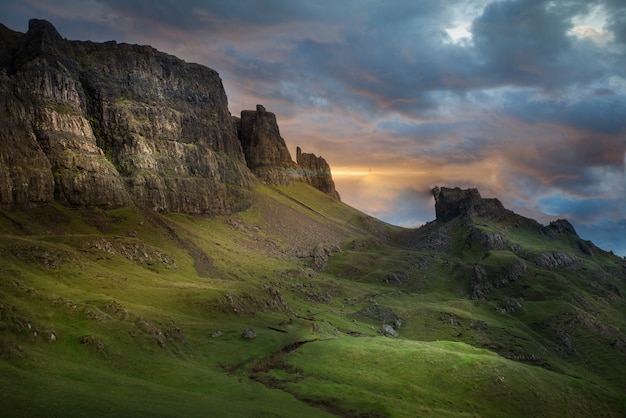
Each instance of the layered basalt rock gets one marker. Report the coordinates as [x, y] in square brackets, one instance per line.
[265, 150]
[48, 149]
[316, 172]
[107, 125]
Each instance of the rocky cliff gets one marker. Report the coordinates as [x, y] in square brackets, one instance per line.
[316, 172]
[452, 203]
[269, 159]
[265, 150]
[107, 125]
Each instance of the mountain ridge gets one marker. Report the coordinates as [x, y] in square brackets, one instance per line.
[108, 124]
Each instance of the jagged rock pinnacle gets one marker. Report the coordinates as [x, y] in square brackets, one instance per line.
[316, 172]
[265, 150]
[269, 159]
[452, 203]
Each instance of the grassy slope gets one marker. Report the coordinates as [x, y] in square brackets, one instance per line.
[112, 313]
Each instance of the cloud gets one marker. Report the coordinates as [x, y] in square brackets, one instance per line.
[524, 99]
[616, 10]
[520, 41]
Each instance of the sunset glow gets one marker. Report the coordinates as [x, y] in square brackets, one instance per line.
[524, 100]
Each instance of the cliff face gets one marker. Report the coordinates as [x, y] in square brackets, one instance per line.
[112, 124]
[452, 203]
[316, 172]
[269, 159]
[108, 125]
[265, 150]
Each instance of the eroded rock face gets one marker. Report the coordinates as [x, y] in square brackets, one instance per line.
[316, 172]
[25, 172]
[269, 159]
[107, 125]
[555, 260]
[452, 203]
[265, 150]
[110, 124]
[48, 149]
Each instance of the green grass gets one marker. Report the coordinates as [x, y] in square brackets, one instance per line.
[409, 378]
[156, 386]
[133, 301]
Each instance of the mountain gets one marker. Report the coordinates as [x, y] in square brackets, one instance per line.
[160, 257]
[108, 125]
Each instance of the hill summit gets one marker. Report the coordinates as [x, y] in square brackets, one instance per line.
[453, 202]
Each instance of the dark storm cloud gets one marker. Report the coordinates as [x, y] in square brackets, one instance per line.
[529, 43]
[602, 113]
[519, 41]
[616, 9]
[392, 62]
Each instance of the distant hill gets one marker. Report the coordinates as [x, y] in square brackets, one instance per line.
[162, 258]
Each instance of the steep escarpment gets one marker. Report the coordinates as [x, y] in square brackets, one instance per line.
[112, 124]
[269, 159]
[166, 126]
[48, 149]
[316, 172]
[265, 150]
[107, 125]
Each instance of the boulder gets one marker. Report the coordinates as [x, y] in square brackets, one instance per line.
[388, 331]
[248, 334]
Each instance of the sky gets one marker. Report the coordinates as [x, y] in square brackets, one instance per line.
[523, 99]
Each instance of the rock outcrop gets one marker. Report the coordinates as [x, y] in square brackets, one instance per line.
[487, 278]
[269, 159]
[452, 203]
[265, 150]
[316, 172]
[555, 260]
[107, 125]
[562, 228]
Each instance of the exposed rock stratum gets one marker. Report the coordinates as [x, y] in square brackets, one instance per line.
[110, 124]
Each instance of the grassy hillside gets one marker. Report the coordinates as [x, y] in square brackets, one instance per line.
[129, 313]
